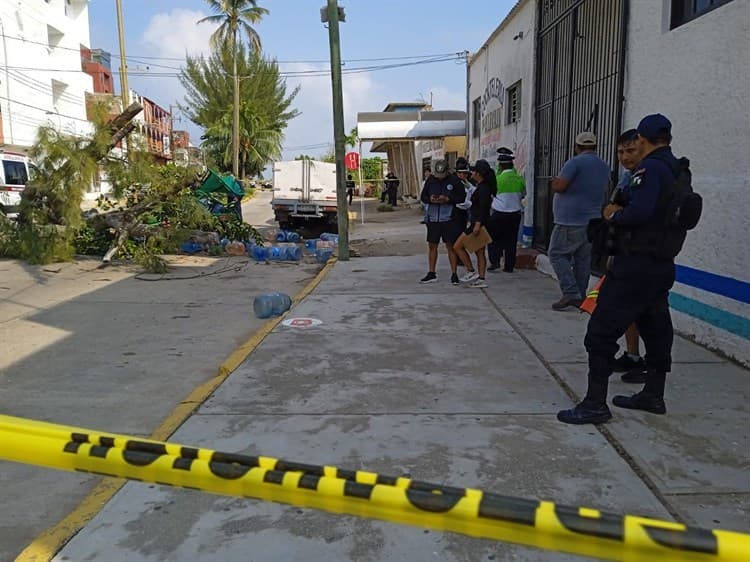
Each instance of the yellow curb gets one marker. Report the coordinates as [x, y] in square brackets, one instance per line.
[44, 547]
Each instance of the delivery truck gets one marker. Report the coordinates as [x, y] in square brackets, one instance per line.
[304, 195]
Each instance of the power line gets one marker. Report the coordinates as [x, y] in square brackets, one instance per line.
[301, 61]
[288, 74]
[43, 109]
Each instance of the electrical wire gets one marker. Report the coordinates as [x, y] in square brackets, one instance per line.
[302, 61]
[43, 109]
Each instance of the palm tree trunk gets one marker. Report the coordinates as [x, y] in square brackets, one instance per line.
[236, 117]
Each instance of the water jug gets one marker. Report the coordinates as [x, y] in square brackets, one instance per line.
[293, 253]
[281, 236]
[292, 237]
[263, 306]
[276, 253]
[224, 242]
[260, 253]
[281, 303]
[327, 236]
[323, 254]
[191, 247]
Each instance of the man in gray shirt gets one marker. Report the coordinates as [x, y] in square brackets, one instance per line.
[580, 193]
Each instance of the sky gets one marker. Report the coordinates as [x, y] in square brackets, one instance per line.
[159, 33]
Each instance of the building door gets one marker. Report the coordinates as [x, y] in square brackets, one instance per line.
[579, 87]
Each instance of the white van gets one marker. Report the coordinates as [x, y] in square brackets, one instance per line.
[14, 174]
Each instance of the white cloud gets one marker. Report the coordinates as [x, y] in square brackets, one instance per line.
[445, 98]
[175, 33]
[315, 102]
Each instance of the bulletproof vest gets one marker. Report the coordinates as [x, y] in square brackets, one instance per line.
[680, 209]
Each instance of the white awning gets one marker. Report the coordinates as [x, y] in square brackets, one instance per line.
[397, 126]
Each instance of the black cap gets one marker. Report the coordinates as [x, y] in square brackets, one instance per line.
[505, 155]
[483, 167]
[462, 164]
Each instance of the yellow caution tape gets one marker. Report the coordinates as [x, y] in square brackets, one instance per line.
[468, 511]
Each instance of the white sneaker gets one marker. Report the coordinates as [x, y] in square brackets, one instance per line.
[479, 283]
[469, 276]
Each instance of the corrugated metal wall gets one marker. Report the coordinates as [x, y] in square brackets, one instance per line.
[579, 87]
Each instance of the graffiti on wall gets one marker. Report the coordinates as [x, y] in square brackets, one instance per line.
[492, 117]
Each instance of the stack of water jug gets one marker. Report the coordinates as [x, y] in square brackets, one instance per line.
[286, 248]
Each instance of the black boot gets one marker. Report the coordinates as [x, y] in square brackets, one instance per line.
[650, 399]
[593, 408]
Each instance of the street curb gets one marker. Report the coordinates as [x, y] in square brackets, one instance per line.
[44, 547]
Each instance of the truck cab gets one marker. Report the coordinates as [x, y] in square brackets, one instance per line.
[14, 175]
[304, 194]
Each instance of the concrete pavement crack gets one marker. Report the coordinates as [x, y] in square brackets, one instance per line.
[605, 432]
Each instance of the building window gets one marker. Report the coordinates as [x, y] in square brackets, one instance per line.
[684, 11]
[514, 103]
[54, 37]
[476, 118]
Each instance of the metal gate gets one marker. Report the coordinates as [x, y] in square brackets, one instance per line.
[579, 87]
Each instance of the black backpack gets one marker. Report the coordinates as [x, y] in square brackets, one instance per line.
[683, 204]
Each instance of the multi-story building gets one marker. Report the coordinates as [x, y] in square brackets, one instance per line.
[41, 81]
[154, 128]
[97, 64]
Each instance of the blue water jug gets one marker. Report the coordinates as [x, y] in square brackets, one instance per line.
[293, 253]
[292, 237]
[260, 253]
[326, 236]
[191, 247]
[323, 254]
[263, 306]
[249, 248]
[281, 236]
[281, 303]
[224, 242]
[276, 253]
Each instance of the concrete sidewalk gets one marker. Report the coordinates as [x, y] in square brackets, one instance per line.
[112, 349]
[450, 385]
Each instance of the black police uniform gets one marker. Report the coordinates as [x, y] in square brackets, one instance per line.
[635, 290]
[350, 189]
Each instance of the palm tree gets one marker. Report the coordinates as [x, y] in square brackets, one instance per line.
[235, 17]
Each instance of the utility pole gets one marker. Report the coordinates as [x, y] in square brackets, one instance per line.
[123, 63]
[236, 115]
[332, 15]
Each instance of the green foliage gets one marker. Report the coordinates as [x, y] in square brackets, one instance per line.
[92, 242]
[385, 208]
[233, 229]
[234, 18]
[265, 107]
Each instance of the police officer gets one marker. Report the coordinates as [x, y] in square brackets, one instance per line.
[350, 188]
[636, 285]
[391, 188]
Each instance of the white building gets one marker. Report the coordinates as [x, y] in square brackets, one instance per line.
[41, 81]
[590, 65]
[501, 90]
[693, 67]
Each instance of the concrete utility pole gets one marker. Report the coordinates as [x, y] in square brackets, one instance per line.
[123, 65]
[332, 15]
[236, 113]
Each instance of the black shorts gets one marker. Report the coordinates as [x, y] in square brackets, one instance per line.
[449, 232]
